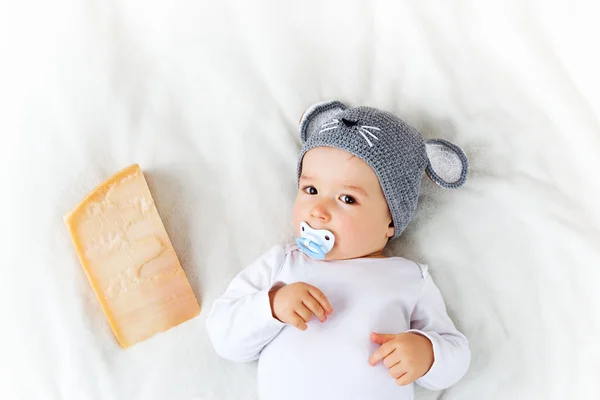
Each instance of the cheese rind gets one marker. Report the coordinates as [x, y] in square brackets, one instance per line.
[129, 260]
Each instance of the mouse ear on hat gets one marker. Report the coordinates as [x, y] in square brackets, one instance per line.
[317, 115]
[448, 165]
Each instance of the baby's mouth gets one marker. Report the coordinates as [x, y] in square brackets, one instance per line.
[315, 243]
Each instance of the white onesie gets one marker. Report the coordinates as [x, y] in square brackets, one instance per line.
[329, 360]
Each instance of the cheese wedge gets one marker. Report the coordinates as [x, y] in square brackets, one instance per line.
[129, 260]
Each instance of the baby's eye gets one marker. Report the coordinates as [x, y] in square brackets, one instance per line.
[347, 199]
[310, 190]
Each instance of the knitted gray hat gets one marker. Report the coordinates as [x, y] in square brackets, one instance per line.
[396, 151]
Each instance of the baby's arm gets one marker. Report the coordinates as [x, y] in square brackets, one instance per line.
[240, 322]
[450, 347]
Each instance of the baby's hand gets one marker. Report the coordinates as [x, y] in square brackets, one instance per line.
[295, 304]
[407, 356]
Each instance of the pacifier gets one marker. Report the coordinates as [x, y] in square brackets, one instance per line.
[315, 243]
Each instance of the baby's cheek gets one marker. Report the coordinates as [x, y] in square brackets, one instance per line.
[297, 217]
[296, 223]
[349, 237]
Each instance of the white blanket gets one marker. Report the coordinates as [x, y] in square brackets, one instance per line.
[206, 97]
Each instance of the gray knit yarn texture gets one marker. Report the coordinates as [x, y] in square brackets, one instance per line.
[392, 148]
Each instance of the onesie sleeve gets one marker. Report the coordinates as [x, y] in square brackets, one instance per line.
[240, 323]
[450, 347]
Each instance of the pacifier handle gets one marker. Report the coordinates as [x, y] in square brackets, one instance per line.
[313, 249]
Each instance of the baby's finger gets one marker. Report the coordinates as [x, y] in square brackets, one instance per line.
[298, 322]
[304, 312]
[397, 371]
[392, 359]
[320, 297]
[313, 305]
[405, 379]
[381, 353]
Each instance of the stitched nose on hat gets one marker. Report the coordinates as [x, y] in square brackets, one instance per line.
[349, 122]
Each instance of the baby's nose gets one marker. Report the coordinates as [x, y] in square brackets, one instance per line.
[320, 211]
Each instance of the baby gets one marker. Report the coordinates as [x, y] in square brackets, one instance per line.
[331, 317]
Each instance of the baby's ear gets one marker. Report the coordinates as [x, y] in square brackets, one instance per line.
[317, 115]
[448, 164]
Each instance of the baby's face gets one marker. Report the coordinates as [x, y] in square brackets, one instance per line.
[341, 193]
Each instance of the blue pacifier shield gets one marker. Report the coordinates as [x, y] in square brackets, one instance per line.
[315, 243]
